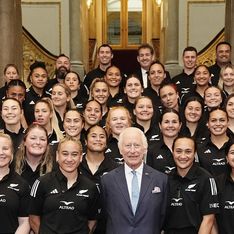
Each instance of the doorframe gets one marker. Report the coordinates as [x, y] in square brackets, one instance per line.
[123, 24]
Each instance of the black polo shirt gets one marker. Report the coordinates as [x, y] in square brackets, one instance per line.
[200, 134]
[14, 198]
[64, 210]
[50, 84]
[191, 93]
[153, 134]
[80, 100]
[190, 198]
[29, 175]
[112, 151]
[90, 76]
[160, 157]
[83, 91]
[155, 98]
[129, 106]
[226, 203]
[230, 133]
[215, 71]
[116, 100]
[106, 165]
[184, 83]
[30, 100]
[17, 138]
[211, 157]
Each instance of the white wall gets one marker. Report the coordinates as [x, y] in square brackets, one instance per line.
[48, 22]
[199, 22]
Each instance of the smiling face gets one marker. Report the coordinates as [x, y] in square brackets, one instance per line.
[133, 88]
[92, 113]
[218, 123]
[11, 112]
[105, 55]
[223, 54]
[170, 125]
[39, 78]
[212, 97]
[100, 92]
[193, 111]
[72, 81]
[36, 142]
[156, 75]
[145, 58]
[63, 63]
[183, 154]
[144, 109]
[59, 96]
[113, 77]
[6, 153]
[96, 140]
[228, 77]
[202, 76]
[73, 123]
[132, 148]
[119, 120]
[169, 97]
[189, 59]
[42, 114]
[69, 156]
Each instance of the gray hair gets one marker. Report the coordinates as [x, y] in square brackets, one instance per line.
[136, 131]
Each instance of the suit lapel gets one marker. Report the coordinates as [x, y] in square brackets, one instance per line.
[145, 182]
[122, 183]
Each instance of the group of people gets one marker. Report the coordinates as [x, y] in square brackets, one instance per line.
[117, 153]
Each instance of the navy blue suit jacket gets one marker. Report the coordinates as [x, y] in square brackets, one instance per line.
[151, 207]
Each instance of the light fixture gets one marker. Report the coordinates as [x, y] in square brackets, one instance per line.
[89, 2]
[158, 2]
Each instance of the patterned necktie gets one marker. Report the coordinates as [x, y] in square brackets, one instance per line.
[135, 191]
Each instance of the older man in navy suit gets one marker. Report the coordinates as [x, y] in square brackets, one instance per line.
[134, 194]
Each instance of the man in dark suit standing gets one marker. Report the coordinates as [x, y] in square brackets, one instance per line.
[134, 194]
[145, 57]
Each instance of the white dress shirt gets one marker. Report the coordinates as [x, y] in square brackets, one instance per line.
[129, 176]
[144, 77]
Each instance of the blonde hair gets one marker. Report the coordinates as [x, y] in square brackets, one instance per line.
[54, 119]
[97, 80]
[108, 127]
[69, 138]
[70, 104]
[221, 83]
[20, 157]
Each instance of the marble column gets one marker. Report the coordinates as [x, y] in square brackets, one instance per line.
[11, 50]
[171, 38]
[76, 36]
[229, 24]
